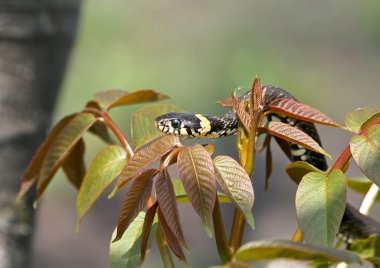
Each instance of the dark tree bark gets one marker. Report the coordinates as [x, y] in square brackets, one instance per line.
[35, 42]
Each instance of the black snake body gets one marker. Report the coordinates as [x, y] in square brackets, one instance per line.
[354, 224]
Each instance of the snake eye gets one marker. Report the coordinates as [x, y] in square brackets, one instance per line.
[176, 123]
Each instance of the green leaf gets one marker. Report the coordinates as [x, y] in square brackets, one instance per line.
[197, 174]
[274, 249]
[236, 183]
[361, 186]
[298, 169]
[114, 97]
[293, 135]
[365, 150]
[182, 197]
[143, 127]
[354, 120]
[143, 158]
[135, 200]
[107, 164]
[126, 251]
[320, 205]
[368, 249]
[59, 149]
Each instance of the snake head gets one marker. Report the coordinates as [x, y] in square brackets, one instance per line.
[180, 124]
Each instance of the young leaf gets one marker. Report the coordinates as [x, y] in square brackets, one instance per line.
[170, 238]
[367, 248]
[143, 158]
[181, 195]
[143, 128]
[34, 166]
[227, 102]
[236, 183]
[168, 205]
[268, 161]
[115, 97]
[295, 109]
[297, 170]
[197, 174]
[103, 170]
[361, 186]
[320, 205]
[59, 149]
[365, 150]
[100, 129]
[135, 200]
[240, 109]
[74, 166]
[256, 100]
[293, 135]
[267, 250]
[126, 251]
[147, 227]
[354, 120]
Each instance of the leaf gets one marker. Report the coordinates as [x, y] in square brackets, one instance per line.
[135, 200]
[115, 97]
[143, 128]
[297, 170]
[103, 170]
[274, 249]
[197, 174]
[100, 129]
[126, 251]
[240, 109]
[354, 120]
[168, 205]
[227, 102]
[147, 228]
[268, 161]
[170, 237]
[361, 186]
[60, 147]
[295, 109]
[34, 166]
[256, 100]
[368, 248]
[74, 166]
[236, 183]
[365, 150]
[320, 205]
[293, 135]
[181, 195]
[143, 158]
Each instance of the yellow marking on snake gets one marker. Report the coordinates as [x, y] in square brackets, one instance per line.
[205, 124]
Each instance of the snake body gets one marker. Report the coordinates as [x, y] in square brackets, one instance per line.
[354, 225]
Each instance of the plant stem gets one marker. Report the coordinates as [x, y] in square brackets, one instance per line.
[222, 245]
[342, 160]
[369, 199]
[164, 250]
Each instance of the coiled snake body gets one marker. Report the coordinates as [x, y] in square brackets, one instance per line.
[354, 224]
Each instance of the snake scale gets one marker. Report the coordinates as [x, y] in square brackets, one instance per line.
[354, 225]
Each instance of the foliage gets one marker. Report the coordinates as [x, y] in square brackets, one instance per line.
[320, 198]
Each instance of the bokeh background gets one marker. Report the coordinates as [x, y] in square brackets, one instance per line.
[327, 53]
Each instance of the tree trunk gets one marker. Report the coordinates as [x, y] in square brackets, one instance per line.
[35, 40]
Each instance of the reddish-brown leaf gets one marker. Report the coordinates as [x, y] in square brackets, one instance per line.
[292, 134]
[285, 147]
[115, 97]
[256, 100]
[196, 170]
[268, 162]
[74, 166]
[143, 158]
[168, 205]
[169, 237]
[60, 147]
[101, 130]
[295, 109]
[227, 102]
[135, 200]
[240, 109]
[34, 166]
[148, 221]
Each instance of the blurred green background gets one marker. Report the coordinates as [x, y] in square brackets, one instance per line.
[327, 53]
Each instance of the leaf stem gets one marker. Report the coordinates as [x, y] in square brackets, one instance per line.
[222, 245]
[369, 199]
[342, 160]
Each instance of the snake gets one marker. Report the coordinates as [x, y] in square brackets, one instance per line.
[354, 225]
